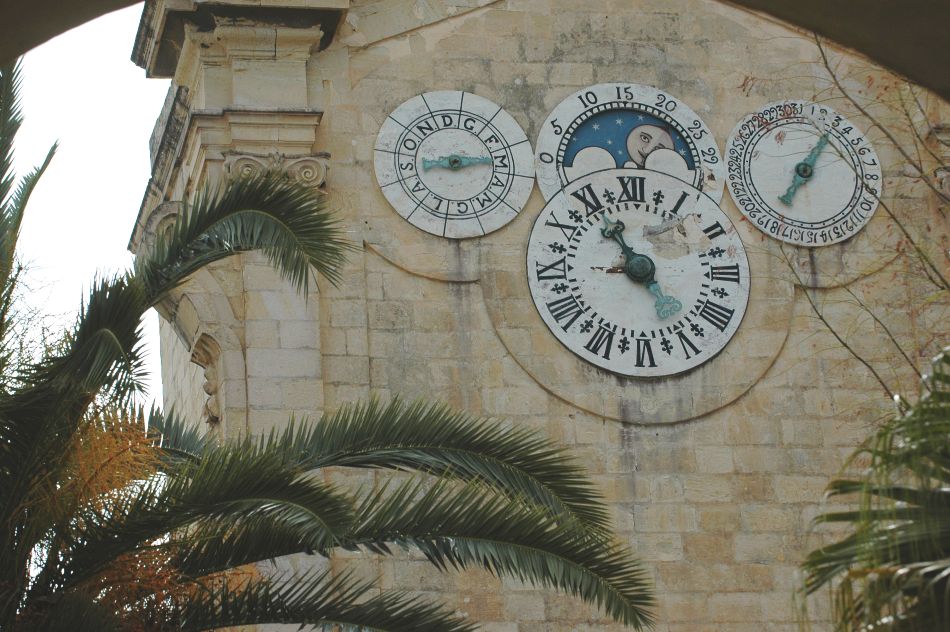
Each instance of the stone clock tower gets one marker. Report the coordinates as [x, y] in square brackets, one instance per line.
[569, 216]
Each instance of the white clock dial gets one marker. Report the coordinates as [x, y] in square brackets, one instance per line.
[613, 125]
[638, 272]
[454, 164]
[802, 173]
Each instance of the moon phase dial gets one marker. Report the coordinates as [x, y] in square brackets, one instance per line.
[613, 125]
[454, 164]
[637, 272]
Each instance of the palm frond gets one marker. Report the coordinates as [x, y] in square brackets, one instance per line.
[215, 545]
[73, 612]
[893, 570]
[288, 221]
[179, 440]
[196, 503]
[431, 438]
[103, 352]
[472, 525]
[319, 599]
[11, 218]
[10, 121]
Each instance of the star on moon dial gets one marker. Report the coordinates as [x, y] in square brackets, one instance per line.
[637, 272]
[454, 164]
[802, 173]
[612, 125]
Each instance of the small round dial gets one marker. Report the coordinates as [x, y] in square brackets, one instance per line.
[637, 272]
[454, 164]
[802, 173]
[613, 125]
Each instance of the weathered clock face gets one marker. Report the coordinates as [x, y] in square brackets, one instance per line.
[802, 173]
[637, 272]
[454, 164]
[612, 125]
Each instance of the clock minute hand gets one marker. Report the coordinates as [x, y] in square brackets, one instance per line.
[641, 269]
[455, 162]
[804, 170]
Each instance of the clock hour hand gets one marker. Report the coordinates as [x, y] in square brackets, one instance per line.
[804, 170]
[455, 162]
[641, 269]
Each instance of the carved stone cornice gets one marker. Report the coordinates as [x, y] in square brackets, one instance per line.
[165, 23]
[192, 142]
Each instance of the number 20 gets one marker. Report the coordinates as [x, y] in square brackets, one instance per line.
[662, 101]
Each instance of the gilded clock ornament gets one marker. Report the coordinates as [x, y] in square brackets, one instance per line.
[454, 164]
[637, 272]
[802, 173]
[613, 125]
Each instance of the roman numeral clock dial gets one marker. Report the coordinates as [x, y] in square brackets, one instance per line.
[454, 164]
[638, 272]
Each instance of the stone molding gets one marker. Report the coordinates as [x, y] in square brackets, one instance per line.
[164, 25]
[206, 353]
[310, 170]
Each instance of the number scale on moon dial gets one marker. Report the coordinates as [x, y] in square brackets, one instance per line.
[802, 173]
[613, 125]
[454, 164]
[582, 285]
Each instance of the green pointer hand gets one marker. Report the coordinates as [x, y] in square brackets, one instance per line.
[804, 170]
[454, 162]
[640, 268]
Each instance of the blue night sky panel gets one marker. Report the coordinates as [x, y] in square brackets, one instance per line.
[609, 130]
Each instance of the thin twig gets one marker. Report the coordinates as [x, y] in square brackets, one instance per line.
[834, 332]
[886, 331]
[917, 134]
[834, 78]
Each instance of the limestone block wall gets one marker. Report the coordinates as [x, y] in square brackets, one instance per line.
[713, 476]
[182, 379]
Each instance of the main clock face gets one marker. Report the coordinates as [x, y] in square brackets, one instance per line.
[612, 125]
[454, 164]
[637, 272]
[802, 173]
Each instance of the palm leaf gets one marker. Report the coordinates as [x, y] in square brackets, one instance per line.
[179, 440]
[431, 438]
[10, 121]
[12, 216]
[891, 572]
[229, 486]
[318, 599]
[467, 526]
[270, 212]
[75, 612]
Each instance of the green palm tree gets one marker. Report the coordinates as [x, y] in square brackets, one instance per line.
[892, 572]
[110, 521]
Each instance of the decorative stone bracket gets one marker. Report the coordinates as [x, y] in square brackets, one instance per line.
[206, 354]
[309, 170]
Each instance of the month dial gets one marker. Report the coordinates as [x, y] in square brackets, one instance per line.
[613, 125]
[637, 272]
[802, 173]
[454, 164]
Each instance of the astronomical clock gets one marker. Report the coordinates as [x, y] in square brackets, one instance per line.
[632, 265]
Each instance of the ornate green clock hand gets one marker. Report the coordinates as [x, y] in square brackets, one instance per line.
[641, 269]
[455, 162]
[804, 170]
